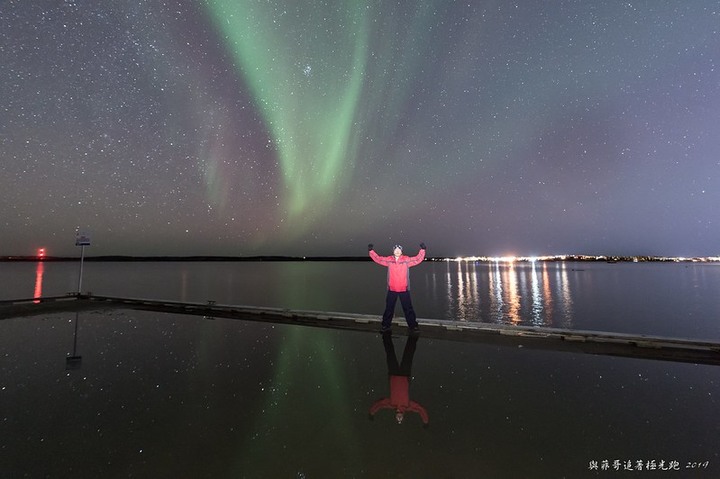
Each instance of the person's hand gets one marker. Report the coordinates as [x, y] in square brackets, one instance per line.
[370, 247]
[422, 245]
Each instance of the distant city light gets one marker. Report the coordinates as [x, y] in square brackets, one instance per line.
[580, 257]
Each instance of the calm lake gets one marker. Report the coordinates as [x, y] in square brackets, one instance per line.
[161, 395]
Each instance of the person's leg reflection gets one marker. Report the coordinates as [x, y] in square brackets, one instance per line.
[391, 358]
[407, 358]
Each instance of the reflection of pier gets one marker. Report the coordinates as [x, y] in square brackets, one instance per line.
[531, 337]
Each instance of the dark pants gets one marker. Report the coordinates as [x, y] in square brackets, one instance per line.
[404, 368]
[405, 301]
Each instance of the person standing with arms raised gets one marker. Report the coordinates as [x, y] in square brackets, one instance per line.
[398, 279]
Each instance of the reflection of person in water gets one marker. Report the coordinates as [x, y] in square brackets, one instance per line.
[399, 399]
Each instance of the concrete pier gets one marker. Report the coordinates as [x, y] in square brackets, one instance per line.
[551, 339]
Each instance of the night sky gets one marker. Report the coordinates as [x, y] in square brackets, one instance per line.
[230, 127]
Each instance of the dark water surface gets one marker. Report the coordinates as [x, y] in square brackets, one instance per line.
[161, 395]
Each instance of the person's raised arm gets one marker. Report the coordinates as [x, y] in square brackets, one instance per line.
[418, 258]
[380, 404]
[415, 407]
[384, 261]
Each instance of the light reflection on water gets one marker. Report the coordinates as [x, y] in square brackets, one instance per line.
[509, 293]
[537, 306]
[38, 281]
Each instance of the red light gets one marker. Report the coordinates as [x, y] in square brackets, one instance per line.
[41, 253]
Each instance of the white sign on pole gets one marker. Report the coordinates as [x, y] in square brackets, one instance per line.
[82, 240]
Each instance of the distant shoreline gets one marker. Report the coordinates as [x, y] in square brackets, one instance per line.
[270, 258]
[118, 258]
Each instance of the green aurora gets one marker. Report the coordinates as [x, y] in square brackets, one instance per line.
[305, 75]
[329, 83]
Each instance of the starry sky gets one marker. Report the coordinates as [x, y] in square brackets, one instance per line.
[253, 127]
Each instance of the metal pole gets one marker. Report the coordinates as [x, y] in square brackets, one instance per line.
[77, 318]
[82, 257]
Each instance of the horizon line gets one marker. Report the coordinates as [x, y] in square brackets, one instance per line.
[550, 258]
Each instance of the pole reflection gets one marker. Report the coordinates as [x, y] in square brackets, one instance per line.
[74, 361]
[39, 271]
[399, 375]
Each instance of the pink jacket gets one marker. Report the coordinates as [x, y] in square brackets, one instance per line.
[400, 399]
[398, 269]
